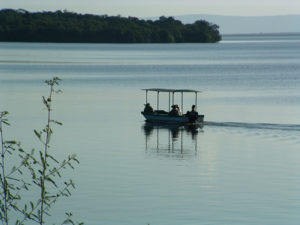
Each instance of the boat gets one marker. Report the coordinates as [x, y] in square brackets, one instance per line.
[161, 116]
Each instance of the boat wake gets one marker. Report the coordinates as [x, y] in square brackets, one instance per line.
[265, 126]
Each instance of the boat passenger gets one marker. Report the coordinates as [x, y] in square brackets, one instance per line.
[178, 109]
[148, 109]
[192, 115]
[174, 111]
[194, 111]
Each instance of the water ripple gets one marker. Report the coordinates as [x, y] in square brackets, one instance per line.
[268, 126]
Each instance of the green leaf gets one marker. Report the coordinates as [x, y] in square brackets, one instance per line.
[49, 138]
[56, 122]
[13, 170]
[51, 157]
[68, 221]
[13, 142]
[32, 205]
[40, 172]
[70, 165]
[42, 159]
[20, 171]
[5, 122]
[38, 134]
[45, 101]
[72, 183]
[52, 181]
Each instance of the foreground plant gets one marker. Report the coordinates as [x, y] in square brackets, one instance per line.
[12, 183]
[43, 173]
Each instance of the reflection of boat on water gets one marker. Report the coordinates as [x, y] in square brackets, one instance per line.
[162, 116]
[174, 129]
[176, 139]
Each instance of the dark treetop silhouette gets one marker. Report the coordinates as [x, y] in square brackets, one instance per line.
[24, 26]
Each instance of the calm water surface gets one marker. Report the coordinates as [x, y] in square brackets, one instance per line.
[243, 167]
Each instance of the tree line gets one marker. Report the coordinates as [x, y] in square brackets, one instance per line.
[64, 26]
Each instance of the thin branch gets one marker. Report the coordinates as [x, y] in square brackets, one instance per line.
[48, 130]
[3, 180]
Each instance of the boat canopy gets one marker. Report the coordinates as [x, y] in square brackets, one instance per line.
[170, 90]
[173, 91]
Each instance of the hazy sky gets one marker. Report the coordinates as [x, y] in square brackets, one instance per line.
[145, 8]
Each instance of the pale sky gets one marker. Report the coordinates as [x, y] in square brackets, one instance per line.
[149, 8]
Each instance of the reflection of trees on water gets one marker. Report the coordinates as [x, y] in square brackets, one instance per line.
[171, 140]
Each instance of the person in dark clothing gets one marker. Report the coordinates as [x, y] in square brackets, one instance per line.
[148, 109]
[192, 115]
[174, 111]
[194, 110]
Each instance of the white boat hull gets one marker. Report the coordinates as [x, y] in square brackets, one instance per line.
[164, 118]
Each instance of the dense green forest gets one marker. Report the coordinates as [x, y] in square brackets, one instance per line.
[24, 26]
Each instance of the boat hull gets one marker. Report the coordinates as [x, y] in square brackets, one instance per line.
[163, 118]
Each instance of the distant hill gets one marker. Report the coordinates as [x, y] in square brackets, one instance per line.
[248, 24]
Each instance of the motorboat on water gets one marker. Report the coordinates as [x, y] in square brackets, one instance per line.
[161, 116]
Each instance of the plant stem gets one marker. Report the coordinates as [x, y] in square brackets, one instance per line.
[43, 177]
[3, 181]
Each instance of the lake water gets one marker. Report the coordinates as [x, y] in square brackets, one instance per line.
[242, 167]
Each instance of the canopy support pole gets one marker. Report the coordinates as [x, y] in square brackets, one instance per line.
[169, 101]
[182, 102]
[172, 98]
[157, 100]
[146, 97]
